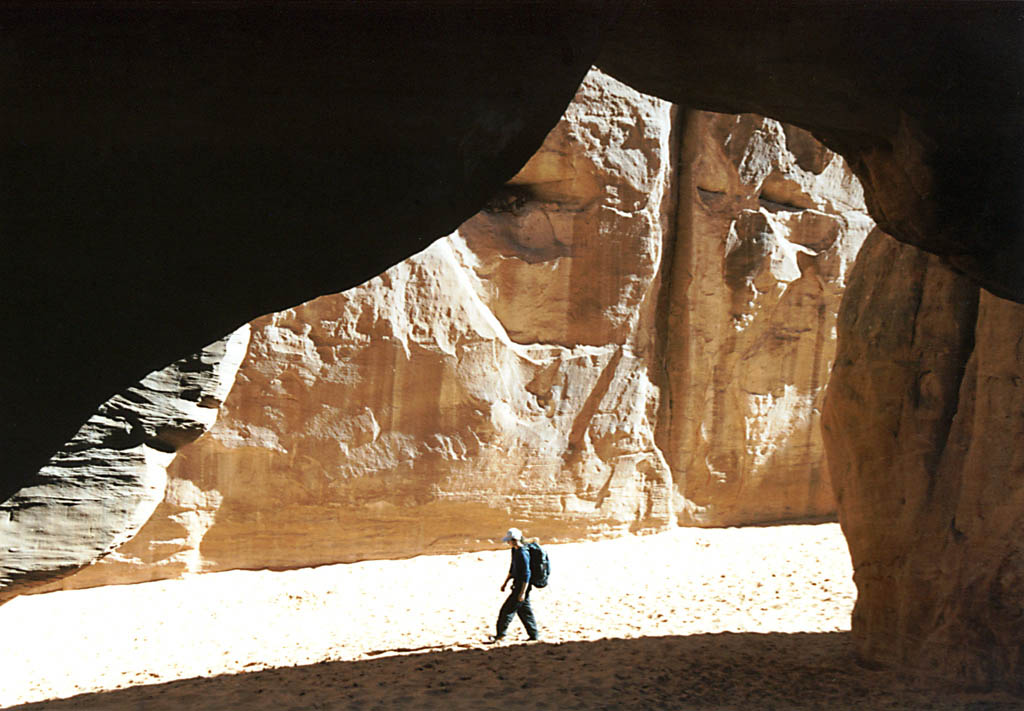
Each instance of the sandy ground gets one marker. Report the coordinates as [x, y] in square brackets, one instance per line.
[754, 618]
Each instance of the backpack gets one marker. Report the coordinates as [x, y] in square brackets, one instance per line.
[540, 566]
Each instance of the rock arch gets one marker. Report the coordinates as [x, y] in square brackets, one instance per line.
[163, 165]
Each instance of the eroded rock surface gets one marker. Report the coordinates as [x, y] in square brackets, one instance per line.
[924, 420]
[518, 369]
[174, 170]
[107, 481]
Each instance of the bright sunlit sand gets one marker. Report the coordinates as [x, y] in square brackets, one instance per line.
[726, 618]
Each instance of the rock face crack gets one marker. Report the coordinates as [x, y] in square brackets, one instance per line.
[577, 439]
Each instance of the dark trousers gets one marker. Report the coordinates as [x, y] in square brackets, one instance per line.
[513, 607]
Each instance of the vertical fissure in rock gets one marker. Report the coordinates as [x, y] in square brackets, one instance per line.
[674, 322]
[667, 281]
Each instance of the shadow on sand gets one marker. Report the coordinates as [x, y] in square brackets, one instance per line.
[711, 671]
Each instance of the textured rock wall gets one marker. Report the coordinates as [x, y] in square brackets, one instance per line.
[769, 225]
[517, 370]
[106, 482]
[924, 420]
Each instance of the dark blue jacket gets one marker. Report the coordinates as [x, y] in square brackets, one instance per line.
[520, 568]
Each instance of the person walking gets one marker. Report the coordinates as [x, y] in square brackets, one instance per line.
[518, 601]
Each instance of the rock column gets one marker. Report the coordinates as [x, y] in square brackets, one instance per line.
[923, 421]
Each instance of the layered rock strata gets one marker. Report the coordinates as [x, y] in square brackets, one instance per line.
[533, 366]
[924, 420]
[106, 482]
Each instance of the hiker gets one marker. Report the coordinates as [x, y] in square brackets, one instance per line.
[518, 602]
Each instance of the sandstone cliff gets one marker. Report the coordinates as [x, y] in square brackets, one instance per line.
[625, 338]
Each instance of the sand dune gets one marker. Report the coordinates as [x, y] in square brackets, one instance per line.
[701, 619]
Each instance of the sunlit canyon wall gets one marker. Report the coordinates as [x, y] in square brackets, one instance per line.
[635, 333]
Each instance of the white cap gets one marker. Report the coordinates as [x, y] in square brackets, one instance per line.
[514, 534]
